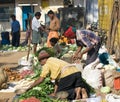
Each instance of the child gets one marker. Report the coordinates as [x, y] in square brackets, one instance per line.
[55, 45]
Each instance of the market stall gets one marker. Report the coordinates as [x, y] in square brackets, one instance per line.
[19, 79]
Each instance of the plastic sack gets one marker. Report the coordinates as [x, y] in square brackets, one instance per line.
[23, 61]
[103, 49]
[92, 76]
[79, 66]
[112, 98]
[112, 62]
[96, 99]
[109, 78]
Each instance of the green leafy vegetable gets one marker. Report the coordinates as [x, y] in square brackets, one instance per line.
[48, 50]
[41, 91]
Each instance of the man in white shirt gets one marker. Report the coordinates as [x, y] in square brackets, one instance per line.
[36, 27]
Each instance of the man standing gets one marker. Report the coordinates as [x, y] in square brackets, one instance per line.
[15, 27]
[53, 28]
[87, 39]
[29, 28]
[36, 27]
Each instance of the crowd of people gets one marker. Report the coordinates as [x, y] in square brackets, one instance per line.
[67, 77]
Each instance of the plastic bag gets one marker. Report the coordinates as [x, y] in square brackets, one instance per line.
[92, 76]
[79, 66]
[112, 98]
[103, 49]
[96, 99]
[109, 78]
[23, 61]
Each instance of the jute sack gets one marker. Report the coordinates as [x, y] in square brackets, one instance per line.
[109, 76]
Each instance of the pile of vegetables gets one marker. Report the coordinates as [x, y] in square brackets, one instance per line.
[68, 51]
[31, 99]
[64, 40]
[48, 50]
[105, 89]
[12, 48]
[13, 74]
[25, 73]
[41, 91]
[72, 47]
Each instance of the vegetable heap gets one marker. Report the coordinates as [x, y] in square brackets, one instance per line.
[11, 48]
[42, 90]
[13, 75]
[31, 99]
[26, 73]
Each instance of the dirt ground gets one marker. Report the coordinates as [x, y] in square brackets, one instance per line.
[10, 60]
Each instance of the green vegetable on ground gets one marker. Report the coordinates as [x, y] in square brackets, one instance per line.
[41, 91]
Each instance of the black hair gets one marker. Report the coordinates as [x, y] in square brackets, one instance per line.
[80, 43]
[37, 14]
[50, 12]
[54, 40]
[12, 16]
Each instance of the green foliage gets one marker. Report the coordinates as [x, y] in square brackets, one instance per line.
[73, 47]
[48, 50]
[41, 91]
[11, 48]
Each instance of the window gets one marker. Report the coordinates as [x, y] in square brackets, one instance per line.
[5, 13]
[6, 1]
[7, 7]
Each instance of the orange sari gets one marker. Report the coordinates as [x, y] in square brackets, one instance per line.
[51, 34]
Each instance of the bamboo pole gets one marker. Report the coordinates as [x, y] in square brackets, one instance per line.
[113, 27]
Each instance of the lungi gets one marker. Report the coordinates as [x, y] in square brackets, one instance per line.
[52, 34]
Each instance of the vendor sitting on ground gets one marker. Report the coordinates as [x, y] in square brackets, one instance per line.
[55, 45]
[67, 77]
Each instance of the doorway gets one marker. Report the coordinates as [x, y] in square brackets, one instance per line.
[25, 11]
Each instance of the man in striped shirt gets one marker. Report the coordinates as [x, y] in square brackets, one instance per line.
[87, 39]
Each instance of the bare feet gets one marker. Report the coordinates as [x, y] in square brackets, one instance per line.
[77, 91]
[84, 93]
